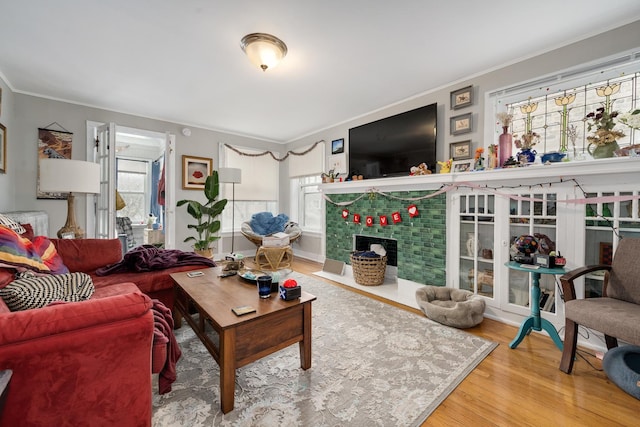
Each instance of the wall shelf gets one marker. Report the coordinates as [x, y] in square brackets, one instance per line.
[526, 175]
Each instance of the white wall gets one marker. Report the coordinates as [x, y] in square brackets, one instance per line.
[7, 190]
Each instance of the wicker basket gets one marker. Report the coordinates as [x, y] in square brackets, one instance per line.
[368, 271]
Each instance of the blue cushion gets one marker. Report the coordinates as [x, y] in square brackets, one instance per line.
[264, 223]
[622, 366]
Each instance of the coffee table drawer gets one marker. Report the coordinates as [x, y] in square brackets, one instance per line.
[267, 334]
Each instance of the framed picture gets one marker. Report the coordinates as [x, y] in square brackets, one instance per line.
[53, 144]
[337, 146]
[461, 124]
[460, 150]
[3, 149]
[195, 171]
[462, 165]
[462, 98]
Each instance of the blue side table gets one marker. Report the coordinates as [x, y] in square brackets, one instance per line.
[535, 321]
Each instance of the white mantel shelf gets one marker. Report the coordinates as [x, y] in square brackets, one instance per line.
[620, 168]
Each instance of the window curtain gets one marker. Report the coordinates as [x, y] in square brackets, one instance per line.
[156, 168]
[260, 175]
[309, 164]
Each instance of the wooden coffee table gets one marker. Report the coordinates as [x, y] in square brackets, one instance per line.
[205, 302]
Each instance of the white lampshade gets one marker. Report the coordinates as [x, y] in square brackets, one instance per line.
[230, 175]
[263, 50]
[69, 176]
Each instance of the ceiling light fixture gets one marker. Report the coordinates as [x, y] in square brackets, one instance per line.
[263, 50]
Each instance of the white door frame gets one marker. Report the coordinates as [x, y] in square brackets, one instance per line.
[170, 183]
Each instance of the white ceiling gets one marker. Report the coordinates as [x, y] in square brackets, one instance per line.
[180, 60]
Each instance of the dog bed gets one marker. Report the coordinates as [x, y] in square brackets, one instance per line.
[458, 308]
[622, 366]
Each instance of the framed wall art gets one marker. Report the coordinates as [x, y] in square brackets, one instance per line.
[337, 146]
[460, 150]
[462, 165]
[3, 149]
[461, 124]
[462, 98]
[195, 171]
[53, 144]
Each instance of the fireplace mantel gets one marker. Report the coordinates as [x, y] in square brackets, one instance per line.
[591, 170]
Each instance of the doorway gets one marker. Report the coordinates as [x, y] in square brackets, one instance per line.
[138, 184]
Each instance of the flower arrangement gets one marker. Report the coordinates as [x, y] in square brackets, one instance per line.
[603, 121]
[527, 140]
[505, 119]
[631, 119]
[479, 152]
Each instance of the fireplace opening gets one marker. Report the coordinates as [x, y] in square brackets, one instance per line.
[363, 243]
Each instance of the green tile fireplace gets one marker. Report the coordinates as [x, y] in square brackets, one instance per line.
[421, 240]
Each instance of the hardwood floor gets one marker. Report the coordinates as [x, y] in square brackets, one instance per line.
[524, 387]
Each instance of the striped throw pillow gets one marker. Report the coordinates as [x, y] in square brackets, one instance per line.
[39, 291]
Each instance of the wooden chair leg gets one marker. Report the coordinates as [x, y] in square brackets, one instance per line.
[570, 343]
[612, 342]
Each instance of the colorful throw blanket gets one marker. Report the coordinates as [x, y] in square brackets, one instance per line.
[150, 258]
[163, 333]
[265, 224]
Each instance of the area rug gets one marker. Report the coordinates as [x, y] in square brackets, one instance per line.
[372, 365]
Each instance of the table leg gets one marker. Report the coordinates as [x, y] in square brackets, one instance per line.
[305, 344]
[524, 330]
[227, 369]
[535, 300]
[551, 330]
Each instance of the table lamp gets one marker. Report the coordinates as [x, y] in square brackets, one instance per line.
[69, 176]
[232, 176]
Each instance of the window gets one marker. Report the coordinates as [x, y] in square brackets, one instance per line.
[132, 184]
[307, 202]
[554, 105]
[257, 190]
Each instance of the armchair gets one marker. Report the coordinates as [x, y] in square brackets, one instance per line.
[292, 229]
[616, 313]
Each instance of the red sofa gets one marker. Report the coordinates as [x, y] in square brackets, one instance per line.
[89, 362]
[88, 255]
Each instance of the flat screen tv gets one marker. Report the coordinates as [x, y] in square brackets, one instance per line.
[389, 147]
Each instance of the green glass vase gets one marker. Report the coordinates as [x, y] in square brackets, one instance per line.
[603, 151]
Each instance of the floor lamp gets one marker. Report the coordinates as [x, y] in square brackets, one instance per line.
[69, 176]
[231, 176]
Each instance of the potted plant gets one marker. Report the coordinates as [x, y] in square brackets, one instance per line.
[206, 214]
[329, 176]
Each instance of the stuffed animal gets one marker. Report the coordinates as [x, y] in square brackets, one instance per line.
[445, 167]
[421, 169]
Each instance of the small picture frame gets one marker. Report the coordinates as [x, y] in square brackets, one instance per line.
[3, 149]
[460, 150]
[462, 98]
[337, 146]
[461, 124]
[462, 165]
[195, 171]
